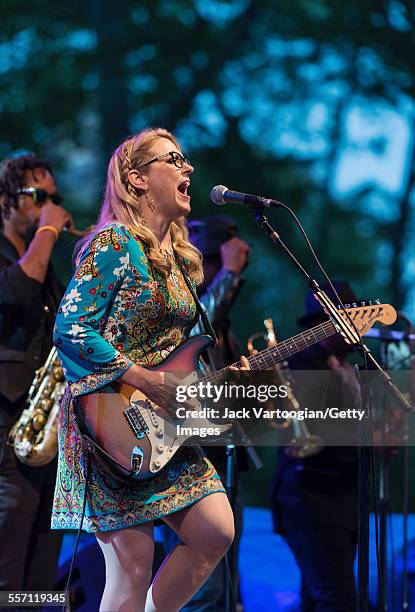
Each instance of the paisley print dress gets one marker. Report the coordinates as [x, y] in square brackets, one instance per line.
[118, 310]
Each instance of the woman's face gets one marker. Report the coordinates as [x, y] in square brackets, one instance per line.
[167, 184]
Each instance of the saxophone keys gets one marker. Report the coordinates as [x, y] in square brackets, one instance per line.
[39, 421]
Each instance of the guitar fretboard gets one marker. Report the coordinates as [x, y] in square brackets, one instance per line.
[285, 349]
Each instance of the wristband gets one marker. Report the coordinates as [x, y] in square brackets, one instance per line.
[48, 228]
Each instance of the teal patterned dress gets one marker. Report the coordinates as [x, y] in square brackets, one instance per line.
[118, 310]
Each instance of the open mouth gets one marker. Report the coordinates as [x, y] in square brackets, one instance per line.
[183, 187]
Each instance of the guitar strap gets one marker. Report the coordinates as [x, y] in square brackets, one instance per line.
[207, 325]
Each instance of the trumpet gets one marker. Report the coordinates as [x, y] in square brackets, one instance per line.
[302, 444]
[269, 337]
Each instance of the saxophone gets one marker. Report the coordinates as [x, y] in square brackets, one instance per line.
[35, 435]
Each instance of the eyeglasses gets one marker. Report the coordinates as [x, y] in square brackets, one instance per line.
[40, 196]
[175, 158]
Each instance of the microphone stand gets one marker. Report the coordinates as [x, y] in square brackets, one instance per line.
[364, 450]
[384, 475]
[364, 445]
[331, 309]
[231, 486]
[231, 482]
[384, 490]
[405, 451]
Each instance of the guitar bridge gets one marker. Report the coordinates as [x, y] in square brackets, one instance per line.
[136, 421]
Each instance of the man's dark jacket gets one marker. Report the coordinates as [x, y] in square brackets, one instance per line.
[27, 312]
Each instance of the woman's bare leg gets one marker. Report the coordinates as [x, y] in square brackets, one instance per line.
[128, 557]
[206, 531]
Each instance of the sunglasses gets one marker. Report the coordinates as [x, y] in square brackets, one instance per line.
[40, 196]
[175, 158]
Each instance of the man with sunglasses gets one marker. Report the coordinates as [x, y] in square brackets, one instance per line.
[31, 220]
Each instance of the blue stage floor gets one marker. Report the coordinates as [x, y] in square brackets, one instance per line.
[269, 575]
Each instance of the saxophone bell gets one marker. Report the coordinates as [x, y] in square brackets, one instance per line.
[34, 436]
[304, 445]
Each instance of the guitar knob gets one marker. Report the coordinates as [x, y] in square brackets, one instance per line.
[363, 303]
[369, 303]
[160, 448]
[377, 301]
[354, 305]
[347, 305]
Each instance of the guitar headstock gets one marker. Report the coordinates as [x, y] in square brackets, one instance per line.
[363, 318]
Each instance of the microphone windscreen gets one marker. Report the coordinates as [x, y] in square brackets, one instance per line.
[216, 195]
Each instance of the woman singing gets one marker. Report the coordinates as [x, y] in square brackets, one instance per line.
[126, 308]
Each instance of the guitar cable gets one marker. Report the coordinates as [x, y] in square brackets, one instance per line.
[229, 584]
[78, 537]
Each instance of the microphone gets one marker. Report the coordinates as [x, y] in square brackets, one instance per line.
[222, 195]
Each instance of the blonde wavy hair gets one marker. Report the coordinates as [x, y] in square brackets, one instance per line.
[122, 203]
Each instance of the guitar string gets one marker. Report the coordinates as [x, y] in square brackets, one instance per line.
[281, 350]
[261, 361]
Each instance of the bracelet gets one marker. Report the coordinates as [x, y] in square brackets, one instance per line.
[50, 228]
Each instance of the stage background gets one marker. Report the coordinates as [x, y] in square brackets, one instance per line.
[308, 102]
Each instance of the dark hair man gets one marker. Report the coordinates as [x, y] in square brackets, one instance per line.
[31, 220]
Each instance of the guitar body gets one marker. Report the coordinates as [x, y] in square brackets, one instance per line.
[127, 432]
[123, 429]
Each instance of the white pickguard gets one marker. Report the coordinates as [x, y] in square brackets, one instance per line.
[162, 433]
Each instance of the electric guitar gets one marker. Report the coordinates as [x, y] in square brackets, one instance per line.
[127, 433]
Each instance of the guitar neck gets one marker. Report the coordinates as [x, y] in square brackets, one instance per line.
[282, 351]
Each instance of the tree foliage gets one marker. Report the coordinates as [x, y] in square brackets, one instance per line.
[263, 95]
[260, 94]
